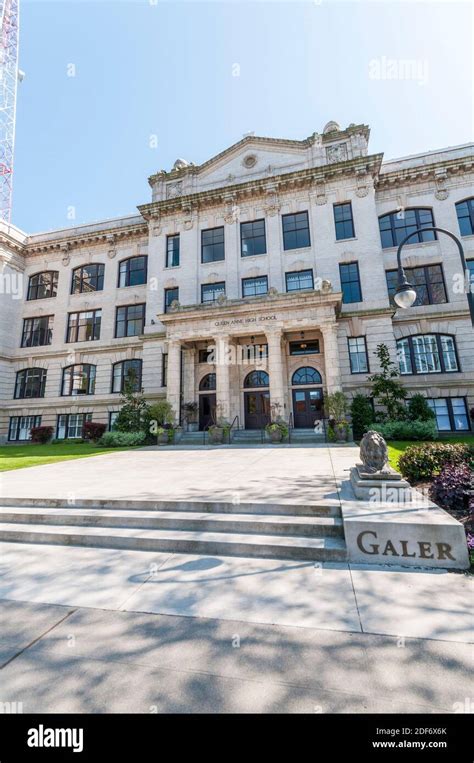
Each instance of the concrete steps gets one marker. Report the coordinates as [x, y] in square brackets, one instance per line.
[247, 437]
[294, 532]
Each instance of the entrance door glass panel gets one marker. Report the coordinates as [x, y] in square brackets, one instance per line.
[307, 407]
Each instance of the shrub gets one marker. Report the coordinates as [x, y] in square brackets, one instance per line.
[418, 408]
[424, 461]
[408, 430]
[93, 430]
[162, 412]
[336, 406]
[41, 434]
[122, 439]
[362, 414]
[451, 489]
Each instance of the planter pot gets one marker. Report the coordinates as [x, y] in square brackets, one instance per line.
[216, 435]
[276, 435]
[341, 433]
[163, 439]
[193, 426]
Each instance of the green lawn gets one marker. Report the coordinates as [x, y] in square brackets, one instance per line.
[397, 447]
[20, 456]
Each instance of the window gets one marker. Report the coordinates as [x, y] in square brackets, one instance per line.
[87, 278]
[112, 419]
[171, 295]
[343, 221]
[254, 353]
[428, 282]
[252, 238]
[70, 425]
[127, 369]
[132, 272]
[451, 414]
[205, 355]
[254, 287]
[358, 355]
[37, 331]
[470, 269]
[208, 382]
[164, 369]
[78, 380]
[172, 251]
[465, 213]
[211, 291]
[30, 382]
[43, 285]
[296, 231]
[129, 320]
[257, 379]
[305, 347]
[427, 354]
[350, 282]
[299, 280]
[395, 226]
[84, 327]
[212, 245]
[306, 375]
[21, 426]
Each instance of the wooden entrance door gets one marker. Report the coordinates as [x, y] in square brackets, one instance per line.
[207, 407]
[307, 407]
[257, 409]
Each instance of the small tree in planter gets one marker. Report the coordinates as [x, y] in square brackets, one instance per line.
[220, 427]
[277, 429]
[161, 421]
[336, 406]
[190, 410]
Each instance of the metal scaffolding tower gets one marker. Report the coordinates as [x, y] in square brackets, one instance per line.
[9, 76]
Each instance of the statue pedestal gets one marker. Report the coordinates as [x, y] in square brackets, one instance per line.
[383, 486]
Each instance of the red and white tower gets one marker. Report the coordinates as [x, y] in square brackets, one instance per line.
[9, 76]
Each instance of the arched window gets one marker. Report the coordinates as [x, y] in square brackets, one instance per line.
[78, 380]
[30, 382]
[208, 382]
[465, 213]
[43, 285]
[87, 278]
[427, 354]
[257, 379]
[127, 370]
[395, 226]
[132, 271]
[306, 375]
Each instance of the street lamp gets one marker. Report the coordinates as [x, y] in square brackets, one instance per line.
[405, 296]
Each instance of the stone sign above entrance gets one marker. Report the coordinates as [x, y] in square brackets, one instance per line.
[245, 321]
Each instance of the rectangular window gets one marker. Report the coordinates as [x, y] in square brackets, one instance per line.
[465, 213]
[296, 231]
[70, 425]
[84, 327]
[37, 331]
[252, 238]
[171, 295]
[428, 282]
[88, 278]
[212, 245]
[427, 354]
[129, 320]
[21, 426]
[470, 269]
[305, 347]
[211, 291]
[299, 280]
[350, 282]
[254, 353]
[343, 221]
[204, 355]
[358, 355]
[172, 251]
[164, 369]
[254, 287]
[404, 357]
[112, 419]
[451, 414]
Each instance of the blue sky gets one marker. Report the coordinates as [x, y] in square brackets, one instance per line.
[167, 69]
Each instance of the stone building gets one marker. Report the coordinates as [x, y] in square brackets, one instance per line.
[260, 279]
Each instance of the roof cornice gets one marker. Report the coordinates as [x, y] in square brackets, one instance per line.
[73, 238]
[437, 171]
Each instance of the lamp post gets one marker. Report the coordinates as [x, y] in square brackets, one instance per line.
[405, 296]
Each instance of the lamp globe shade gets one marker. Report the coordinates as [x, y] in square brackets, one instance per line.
[405, 296]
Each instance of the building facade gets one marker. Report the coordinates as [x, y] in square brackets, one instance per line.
[253, 284]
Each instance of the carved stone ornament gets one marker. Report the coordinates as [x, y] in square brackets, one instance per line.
[362, 180]
[175, 305]
[326, 286]
[441, 192]
[337, 153]
[232, 211]
[249, 161]
[188, 218]
[174, 190]
[373, 452]
[272, 205]
[319, 192]
[221, 299]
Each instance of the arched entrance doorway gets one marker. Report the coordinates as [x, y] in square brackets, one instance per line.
[256, 399]
[307, 397]
[207, 400]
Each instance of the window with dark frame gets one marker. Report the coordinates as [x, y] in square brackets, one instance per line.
[127, 369]
[254, 287]
[30, 382]
[358, 358]
[395, 226]
[164, 369]
[204, 355]
[296, 231]
[470, 269]
[428, 281]
[210, 292]
[343, 221]
[43, 285]
[299, 280]
[465, 214]
[19, 429]
[427, 354]
[88, 278]
[37, 332]
[350, 282]
[133, 271]
[172, 251]
[69, 426]
[78, 379]
[212, 245]
[84, 326]
[304, 347]
[171, 295]
[451, 414]
[252, 238]
[113, 415]
[129, 320]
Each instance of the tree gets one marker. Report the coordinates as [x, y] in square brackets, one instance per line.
[362, 415]
[418, 408]
[134, 413]
[387, 390]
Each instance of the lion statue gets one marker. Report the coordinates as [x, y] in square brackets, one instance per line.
[373, 452]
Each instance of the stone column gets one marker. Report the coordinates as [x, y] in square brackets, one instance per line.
[173, 386]
[223, 361]
[275, 370]
[331, 358]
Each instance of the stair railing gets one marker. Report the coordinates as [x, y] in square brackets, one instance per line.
[291, 425]
[236, 420]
